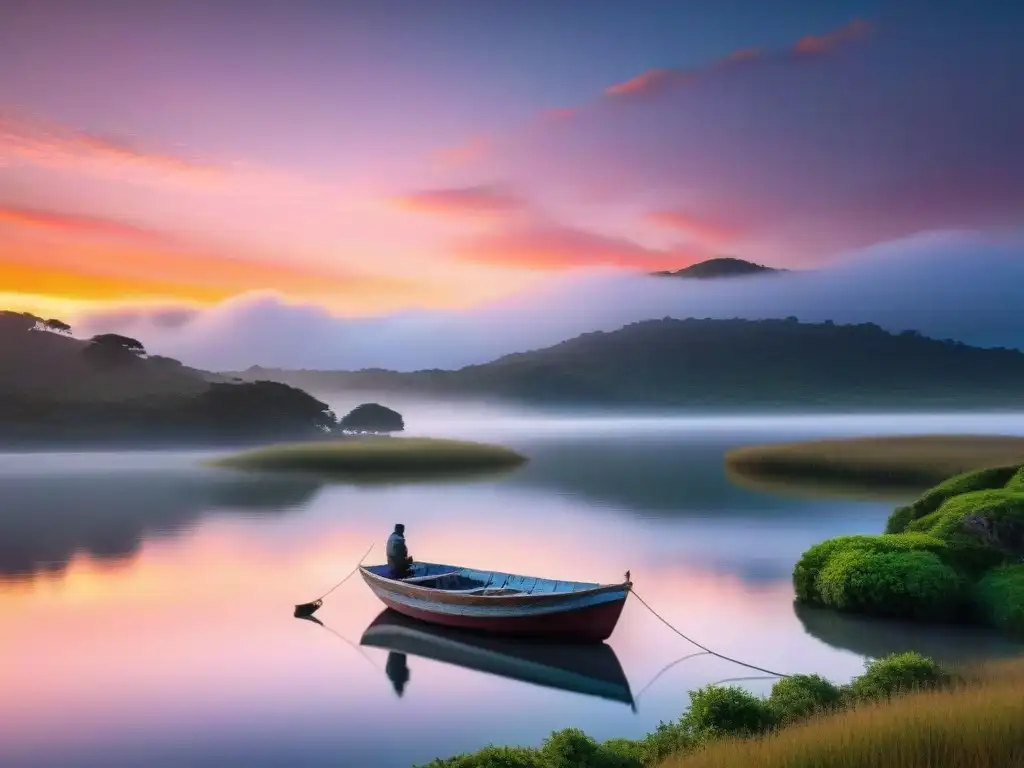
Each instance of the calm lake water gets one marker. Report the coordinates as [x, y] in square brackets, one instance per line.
[145, 603]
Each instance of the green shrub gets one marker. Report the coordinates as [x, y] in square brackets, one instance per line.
[808, 568]
[933, 498]
[667, 739]
[999, 597]
[899, 519]
[1016, 483]
[908, 584]
[493, 757]
[896, 674]
[717, 711]
[1003, 511]
[572, 748]
[796, 697]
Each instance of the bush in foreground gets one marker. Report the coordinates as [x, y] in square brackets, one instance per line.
[716, 713]
[977, 726]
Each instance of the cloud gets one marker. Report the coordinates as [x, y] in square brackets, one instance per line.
[77, 225]
[96, 259]
[825, 145]
[651, 81]
[855, 30]
[711, 233]
[55, 146]
[910, 283]
[660, 80]
[464, 154]
[59, 147]
[462, 201]
[548, 246]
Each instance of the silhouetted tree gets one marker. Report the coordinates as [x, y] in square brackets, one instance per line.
[57, 326]
[114, 349]
[373, 417]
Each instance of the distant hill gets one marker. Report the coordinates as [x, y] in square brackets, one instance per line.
[55, 389]
[725, 364]
[725, 266]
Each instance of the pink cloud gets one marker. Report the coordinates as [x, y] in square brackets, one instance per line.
[704, 231]
[855, 30]
[77, 225]
[656, 81]
[56, 146]
[799, 154]
[651, 81]
[462, 201]
[545, 246]
[464, 154]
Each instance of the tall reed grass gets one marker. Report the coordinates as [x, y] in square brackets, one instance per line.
[976, 724]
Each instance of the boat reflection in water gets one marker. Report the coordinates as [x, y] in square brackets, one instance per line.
[592, 669]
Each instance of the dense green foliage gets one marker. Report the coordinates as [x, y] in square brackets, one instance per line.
[934, 498]
[897, 674]
[954, 554]
[1000, 598]
[898, 584]
[794, 698]
[57, 389]
[715, 712]
[808, 569]
[719, 363]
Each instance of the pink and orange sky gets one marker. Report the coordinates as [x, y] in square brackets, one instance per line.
[375, 157]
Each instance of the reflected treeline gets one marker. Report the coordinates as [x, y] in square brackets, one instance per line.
[592, 670]
[650, 475]
[48, 518]
[874, 638]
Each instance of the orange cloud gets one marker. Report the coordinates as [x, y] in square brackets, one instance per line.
[464, 154]
[551, 248]
[136, 264]
[462, 201]
[660, 80]
[855, 30]
[652, 81]
[72, 224]
[712, 233]
[56, 146]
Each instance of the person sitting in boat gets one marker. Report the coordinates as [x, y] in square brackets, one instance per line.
[399, 558]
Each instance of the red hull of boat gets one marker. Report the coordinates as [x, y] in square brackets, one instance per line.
[591, 624]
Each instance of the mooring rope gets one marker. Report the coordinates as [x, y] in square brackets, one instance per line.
[325, 594]
[664, 621]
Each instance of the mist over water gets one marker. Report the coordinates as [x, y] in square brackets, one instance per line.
[147, 600]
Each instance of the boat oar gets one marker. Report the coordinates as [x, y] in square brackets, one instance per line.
[306, 610]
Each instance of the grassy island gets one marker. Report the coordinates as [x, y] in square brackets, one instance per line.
[903, 711]
[917, 461]
[955, 554]
[375, 457]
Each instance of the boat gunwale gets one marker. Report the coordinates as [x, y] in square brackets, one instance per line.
[442, 596]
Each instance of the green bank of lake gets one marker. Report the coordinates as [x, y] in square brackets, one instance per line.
[174, 582]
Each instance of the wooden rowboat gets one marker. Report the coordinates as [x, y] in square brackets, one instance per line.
[501, 603]
[591, 670]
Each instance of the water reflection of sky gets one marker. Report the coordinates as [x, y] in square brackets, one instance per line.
[145, 611]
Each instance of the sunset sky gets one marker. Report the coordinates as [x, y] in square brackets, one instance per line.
[369, 157]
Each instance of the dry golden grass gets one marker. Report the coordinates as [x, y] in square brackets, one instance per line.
[903, 461]
[979, 724]
[392, 457]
